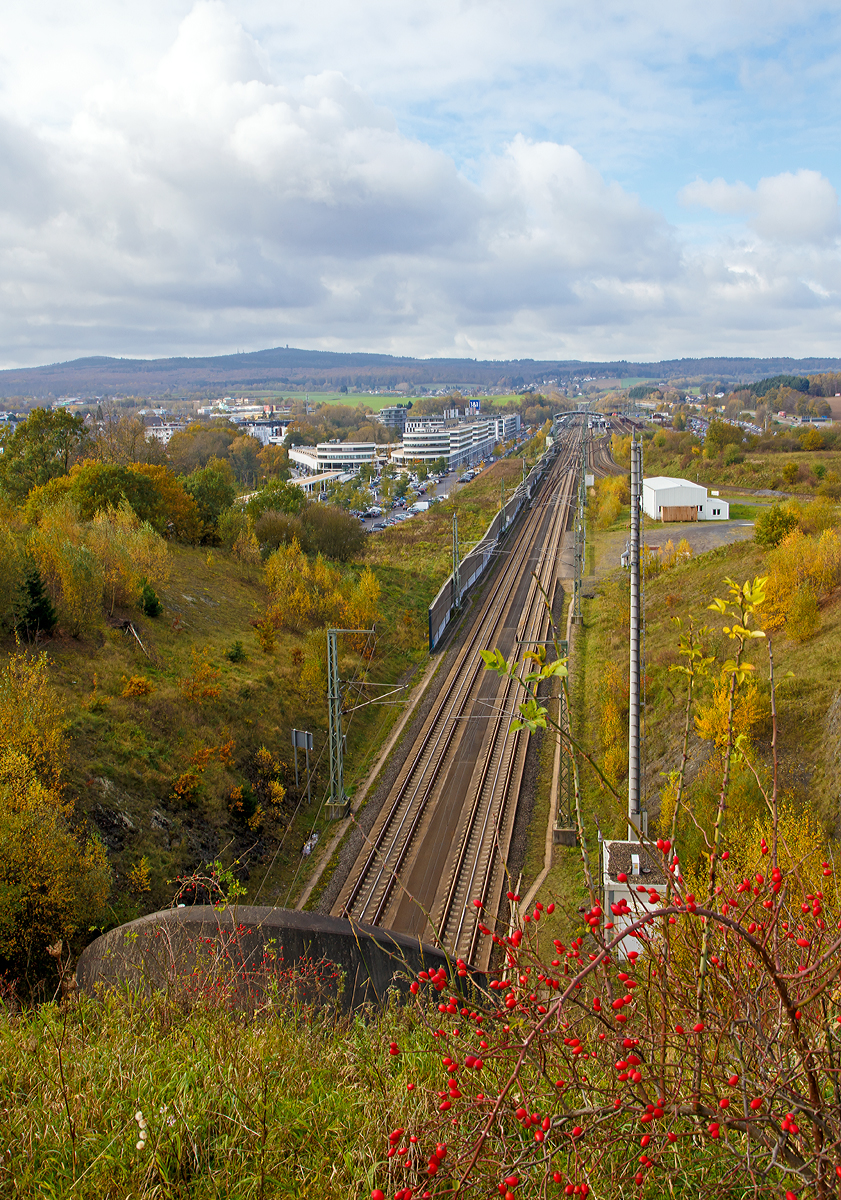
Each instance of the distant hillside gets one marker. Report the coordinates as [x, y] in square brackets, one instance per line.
[319, 369]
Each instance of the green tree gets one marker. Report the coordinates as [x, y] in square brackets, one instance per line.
[42, 447]
[35, 613]
[719, 435]
[773, 525]
[277, 496]
[244, 457]
[212, 488]
[99, 485]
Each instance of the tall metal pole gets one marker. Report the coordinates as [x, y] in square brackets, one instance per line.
[634, 686]
[337, 806]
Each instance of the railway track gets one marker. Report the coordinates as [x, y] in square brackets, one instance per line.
[443, 835]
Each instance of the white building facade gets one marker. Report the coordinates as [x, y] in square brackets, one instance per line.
[460, 443]
[507, 427]
[667, 499]
[333, 456]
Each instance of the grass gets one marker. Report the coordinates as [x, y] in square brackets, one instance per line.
[155, 1097]
[758, 471]
[297, 1104]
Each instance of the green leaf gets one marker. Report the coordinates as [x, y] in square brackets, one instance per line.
[494, 661]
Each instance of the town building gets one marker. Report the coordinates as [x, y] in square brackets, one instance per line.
[507, 427]
[667, 499]
[333, 456]
[163, 430]
[394, 416]
[460, 443]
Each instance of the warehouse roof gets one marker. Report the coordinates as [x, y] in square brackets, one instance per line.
[663, 481]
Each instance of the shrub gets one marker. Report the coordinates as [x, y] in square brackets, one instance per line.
[803, 616]
[36, 612]
[246, 549]
[137, 685]
[333, 532]
[150, 605]
[52, 882]
[236, 653]
[200, 684]
[186, 787]
[139, 880]
[772, 525]
[232, 522]
[802, 569]
[274, 529]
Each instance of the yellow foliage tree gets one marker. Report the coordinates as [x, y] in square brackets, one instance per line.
[310, 592]
[128, 552]
[801, 570]
[612, 730]
[51, 882]
[611, 493]
[711, 720]
[13, 572]
[68, 567]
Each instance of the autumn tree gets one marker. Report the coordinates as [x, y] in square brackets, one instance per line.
[128, 552]
[274, 462]
[41, 448]
[244, 457]
[53, 882]
[212, 488]
[176, 512]
[193, 448]
[122, 438]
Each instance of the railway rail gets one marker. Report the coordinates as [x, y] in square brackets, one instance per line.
[442, 838]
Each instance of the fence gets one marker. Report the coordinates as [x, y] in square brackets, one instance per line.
[444, 607]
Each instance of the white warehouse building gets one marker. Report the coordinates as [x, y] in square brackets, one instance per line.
[666, 499]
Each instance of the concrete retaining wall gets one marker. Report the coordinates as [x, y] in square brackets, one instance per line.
[164, 949]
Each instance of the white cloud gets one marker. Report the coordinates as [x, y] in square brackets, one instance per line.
[203, 195]
[718, 195]
[788, 208]
[800, 207]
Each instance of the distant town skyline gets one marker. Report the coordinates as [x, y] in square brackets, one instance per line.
[640, 181]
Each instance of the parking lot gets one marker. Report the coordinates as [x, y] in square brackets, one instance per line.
[389, 515]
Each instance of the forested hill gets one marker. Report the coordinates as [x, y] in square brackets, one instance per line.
[290, 367]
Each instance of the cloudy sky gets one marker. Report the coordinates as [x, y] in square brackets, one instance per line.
[545, 178]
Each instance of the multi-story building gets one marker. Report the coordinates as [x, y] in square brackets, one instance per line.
[507, 427]
[333, 456]
[163, 430]
[394, 416]
[270, 433]
[460, 443]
